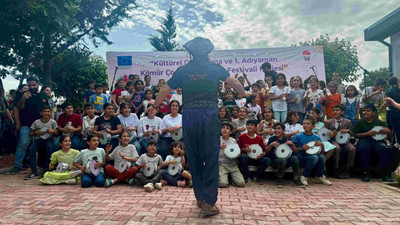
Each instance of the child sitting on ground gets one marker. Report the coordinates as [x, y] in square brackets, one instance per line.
[178, 158]
[84, 158]
[144, 161]
[65, 155]
[124, 157]
[228, 166]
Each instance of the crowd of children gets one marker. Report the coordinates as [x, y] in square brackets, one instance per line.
[119, 138]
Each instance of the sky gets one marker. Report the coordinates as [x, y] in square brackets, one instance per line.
[242, 24]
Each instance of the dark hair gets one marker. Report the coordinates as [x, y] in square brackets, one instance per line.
[371, 107]
[170, 103]
[316, 110]
[255, 84]
[12, 91]
[44, 87]
[227, 113]
[289, 117]
[280, 125]
[266, 65]
[147, 91]
[285, 83]
[355, 90]
[309, 119]
[98, 86]
[89, 137]
[340, 106]
[63, 138]
[46, 107]
[147, 76]
[379, 81]
[334, 84]
[123, 132]
[228, 124]
[32, 78]
[393, 81]
[107, 104]
[91, 82]
[250, 99]
[21, 86]
[174, 144]
[104, 84]
[152, 143]
[138, 81]
[123, 105]
[89, 104]
[65, 105]
[131, 76]
[321, 84]
[129, 83]
[252, 121]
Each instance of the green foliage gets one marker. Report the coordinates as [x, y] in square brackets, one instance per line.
[379, 73]
[335, 59]
[167, 33]
[39, 30]
[73, 69]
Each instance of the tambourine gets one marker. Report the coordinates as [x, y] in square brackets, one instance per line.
[123, 166]
[149, 170]
[378, 137]
[256, 150]
[152, 137]
[68, 125]
[62, 167]
[342, 138]
[313, 150]
[87, 132]
[177, 135]
[232, 151]
[283, 151]
[91, 169]
[105, 139]
[46, 135]
[323, 134]
[133, 135]
[76, 172]
[328, 146]
[173, 169]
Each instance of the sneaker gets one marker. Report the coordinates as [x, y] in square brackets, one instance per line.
[208, 210]
[279, 183]
[323, 180]
[366, 177]
[14, 170]
[303, 180]
[149, 187]
[182, 183]
[70, 181]
[131, 181]
[109, 183]
[31, 176]
[257, 180]
[158, 186]
[298, 183]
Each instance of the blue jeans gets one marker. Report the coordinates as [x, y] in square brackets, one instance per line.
[75, 142]
[136, 143]
[262, 164]
[309, 162]
[89, 179]
[36, 144]
[364, 147]
[23, 144]
[172, 180]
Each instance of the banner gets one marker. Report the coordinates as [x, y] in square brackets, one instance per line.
[292, 61]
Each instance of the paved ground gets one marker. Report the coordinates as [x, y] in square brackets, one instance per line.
[346, 202]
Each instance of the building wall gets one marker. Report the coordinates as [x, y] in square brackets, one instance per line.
[395, 42]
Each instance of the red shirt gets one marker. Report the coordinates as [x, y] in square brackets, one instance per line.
[117, 92]
[334, 99]
[245, 140]
[75, 119]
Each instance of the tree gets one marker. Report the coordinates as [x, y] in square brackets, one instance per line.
[40, 30]
[379, 73]
[339, 56]
[167, 33]
[73, 69]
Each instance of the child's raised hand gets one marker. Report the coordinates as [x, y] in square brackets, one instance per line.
[306, 147]
[154, 131]
[289, 143]
[318, 143]
[122, 155]
[173, 162]
[51, 166]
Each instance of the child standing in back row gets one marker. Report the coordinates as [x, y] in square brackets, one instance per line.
[278, 95]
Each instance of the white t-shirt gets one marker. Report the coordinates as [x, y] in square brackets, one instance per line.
[177, 97]
[241, 102]
[169, 121]
[178, 159]
[129, 151]
[376, 99]
[130, 121]
[293, 128]
[254, 110]
[279, 104]
[147, 124]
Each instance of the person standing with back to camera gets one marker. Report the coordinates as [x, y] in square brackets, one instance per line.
[199, 80]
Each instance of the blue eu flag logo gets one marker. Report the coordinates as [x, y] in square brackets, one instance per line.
[124, 60]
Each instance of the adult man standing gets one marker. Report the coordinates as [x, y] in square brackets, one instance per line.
[27, 110]
[199, 80]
